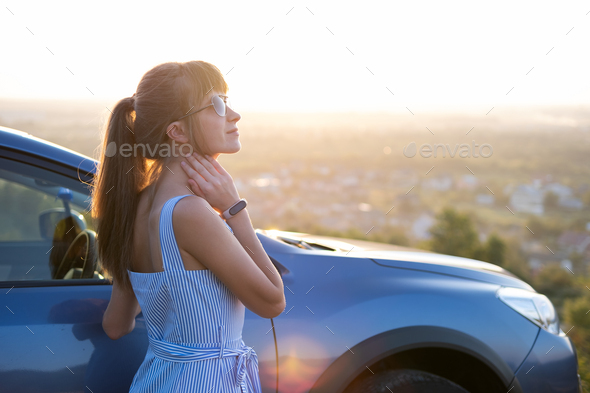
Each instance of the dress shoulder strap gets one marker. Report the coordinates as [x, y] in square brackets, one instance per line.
[171, 258]
[170, 253]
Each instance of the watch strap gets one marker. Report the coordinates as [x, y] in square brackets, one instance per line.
[234, 209]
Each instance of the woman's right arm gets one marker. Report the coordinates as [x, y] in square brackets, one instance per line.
[238, 259]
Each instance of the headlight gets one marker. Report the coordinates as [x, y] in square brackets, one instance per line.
[532, 305]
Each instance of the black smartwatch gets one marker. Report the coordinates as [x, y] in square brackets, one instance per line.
[234, 209]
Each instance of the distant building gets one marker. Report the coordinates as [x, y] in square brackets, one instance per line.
[467, 182]
[566, 264]
[527, 199]
[420, 227]
[484, 199]
[441, 183]
[571, 241]
[559, 189]
[565, 197]
[570, 203]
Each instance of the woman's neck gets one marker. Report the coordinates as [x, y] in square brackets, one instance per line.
[173, 179]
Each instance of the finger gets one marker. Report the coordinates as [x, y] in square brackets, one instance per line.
[198, 164]
[193, 174]
[194, 188]
[217, 166]
[206, 164]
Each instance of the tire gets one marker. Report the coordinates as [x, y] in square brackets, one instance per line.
[404, 381]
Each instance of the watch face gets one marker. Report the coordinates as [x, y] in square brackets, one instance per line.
[239, 206]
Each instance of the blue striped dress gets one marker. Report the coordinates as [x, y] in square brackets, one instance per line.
[194, 326]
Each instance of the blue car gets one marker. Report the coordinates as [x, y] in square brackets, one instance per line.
[360, 316]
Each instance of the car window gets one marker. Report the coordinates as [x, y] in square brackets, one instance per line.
[46, 230]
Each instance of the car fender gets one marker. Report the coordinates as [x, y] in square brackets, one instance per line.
[348, 366]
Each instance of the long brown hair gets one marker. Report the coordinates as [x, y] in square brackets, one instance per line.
[164, 93]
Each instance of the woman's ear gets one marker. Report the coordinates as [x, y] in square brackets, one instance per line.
[177, 132]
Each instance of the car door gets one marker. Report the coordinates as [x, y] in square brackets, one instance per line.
[51, 336]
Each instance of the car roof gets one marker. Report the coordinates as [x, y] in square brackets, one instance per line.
[27, 143]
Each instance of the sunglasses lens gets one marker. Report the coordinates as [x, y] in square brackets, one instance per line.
[219, 105]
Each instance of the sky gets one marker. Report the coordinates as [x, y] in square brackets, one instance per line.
[323, 56]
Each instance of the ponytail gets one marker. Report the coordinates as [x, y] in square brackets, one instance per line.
[118, 181]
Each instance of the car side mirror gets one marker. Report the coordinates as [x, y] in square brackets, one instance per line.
[48, 220]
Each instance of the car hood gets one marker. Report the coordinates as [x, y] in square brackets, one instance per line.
[394, 256]
[447, 264]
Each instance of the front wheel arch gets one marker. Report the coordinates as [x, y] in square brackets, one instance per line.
[384, 347]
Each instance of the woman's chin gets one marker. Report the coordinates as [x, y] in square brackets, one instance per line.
[237, 148]
[233, 148]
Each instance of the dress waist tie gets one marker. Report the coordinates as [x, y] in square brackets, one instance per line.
[247, 358]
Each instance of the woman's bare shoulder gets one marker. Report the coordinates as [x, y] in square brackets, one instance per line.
[195, 214]
[192, 204]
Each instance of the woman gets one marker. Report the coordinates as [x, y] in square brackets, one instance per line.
[190, 272]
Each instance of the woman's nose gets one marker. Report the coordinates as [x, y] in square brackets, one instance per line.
[233, 115]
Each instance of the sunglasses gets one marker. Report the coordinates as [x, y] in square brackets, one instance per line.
[219, 103]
